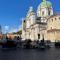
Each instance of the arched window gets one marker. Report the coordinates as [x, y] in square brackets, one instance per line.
[51, 27]
[24, 21]
[59, 18]
[43, 13]
[49, 12]
[55, 18]
[38, 36]
[52, 20]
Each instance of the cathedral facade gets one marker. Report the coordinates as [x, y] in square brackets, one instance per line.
[36, 24]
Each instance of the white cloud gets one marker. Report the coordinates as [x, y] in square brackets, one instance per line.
[6, 27]
[13, 30]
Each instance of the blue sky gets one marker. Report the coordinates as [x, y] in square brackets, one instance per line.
[11, 11]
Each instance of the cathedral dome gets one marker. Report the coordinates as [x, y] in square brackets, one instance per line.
[45, 9]
[45, 4]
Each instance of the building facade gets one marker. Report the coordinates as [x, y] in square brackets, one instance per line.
[53, 27]
[36, 24]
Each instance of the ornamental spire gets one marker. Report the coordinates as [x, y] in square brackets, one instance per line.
[31, 8]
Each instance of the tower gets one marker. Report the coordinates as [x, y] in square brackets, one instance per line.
[31, 16]
[45, 9]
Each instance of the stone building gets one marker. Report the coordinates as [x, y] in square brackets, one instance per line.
[53, 27]
[36, 25]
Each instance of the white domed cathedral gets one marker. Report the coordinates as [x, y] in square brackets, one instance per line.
[37, 25]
